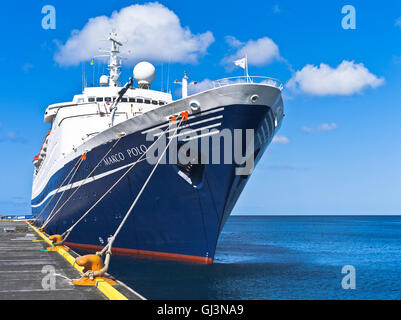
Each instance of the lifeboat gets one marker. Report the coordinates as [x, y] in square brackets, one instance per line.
[37, 159]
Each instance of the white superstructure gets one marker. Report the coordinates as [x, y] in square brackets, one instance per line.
[98, 108]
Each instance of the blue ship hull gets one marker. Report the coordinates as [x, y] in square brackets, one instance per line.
[173, 218]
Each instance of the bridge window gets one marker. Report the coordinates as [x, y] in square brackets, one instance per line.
[91, 99]
[99, 99]
[107, 99]
[162, 103]
[154, 102]
[131, 99]
[147, 101]
[124, 99]
[139, 100]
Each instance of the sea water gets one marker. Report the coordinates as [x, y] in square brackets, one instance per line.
[281, 257]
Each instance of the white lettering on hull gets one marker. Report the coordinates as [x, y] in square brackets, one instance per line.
[119, 157]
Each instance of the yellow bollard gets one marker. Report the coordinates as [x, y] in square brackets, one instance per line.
[94, 270]
[56, 238]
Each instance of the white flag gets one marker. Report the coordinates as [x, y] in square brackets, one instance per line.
[241, 63]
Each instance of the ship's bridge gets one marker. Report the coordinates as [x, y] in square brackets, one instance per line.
[135, 95]
[135, 102]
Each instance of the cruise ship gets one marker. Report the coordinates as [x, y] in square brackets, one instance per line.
[100, 155]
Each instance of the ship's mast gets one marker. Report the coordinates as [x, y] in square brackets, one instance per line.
[114, 64]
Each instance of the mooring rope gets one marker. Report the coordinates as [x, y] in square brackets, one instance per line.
[76, 167]
[83, 181]
[95, 272]
[68, 231]
[36, 219]
[111, 240]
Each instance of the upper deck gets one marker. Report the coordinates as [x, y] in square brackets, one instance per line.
[135, 102]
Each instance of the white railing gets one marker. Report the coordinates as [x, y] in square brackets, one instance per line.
[249, 79]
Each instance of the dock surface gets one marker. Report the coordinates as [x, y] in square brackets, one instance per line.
[29, 272]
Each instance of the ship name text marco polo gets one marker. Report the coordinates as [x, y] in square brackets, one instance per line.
[118, 157]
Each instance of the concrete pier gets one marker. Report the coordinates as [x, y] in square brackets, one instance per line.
[29, 272]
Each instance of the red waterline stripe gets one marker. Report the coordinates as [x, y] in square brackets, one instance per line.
[164, 255]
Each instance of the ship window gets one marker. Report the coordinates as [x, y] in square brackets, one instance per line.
[124, 99]
[107, 99]
[154, 102]
[162, 103]
[91, 99]
[131, 99]
[147, 101]
[99, 99]
[139, 100]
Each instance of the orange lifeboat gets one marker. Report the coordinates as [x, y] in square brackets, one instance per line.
[42, 151]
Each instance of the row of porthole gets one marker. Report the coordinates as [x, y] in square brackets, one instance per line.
[137, 100]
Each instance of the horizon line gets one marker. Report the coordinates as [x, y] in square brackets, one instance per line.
[273, 214]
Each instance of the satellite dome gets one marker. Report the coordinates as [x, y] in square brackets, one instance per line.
[144, 73]
[104, 80]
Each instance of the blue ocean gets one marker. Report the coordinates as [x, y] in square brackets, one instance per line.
[281, 257]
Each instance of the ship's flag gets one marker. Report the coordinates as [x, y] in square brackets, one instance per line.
[241, 63]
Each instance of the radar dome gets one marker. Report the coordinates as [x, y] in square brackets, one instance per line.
[104, 80]
[144, 73]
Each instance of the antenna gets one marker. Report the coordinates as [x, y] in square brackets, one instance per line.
[184, 84]
[161, 87]
[114, 64]
[168, 73]
[115, 59]
[82, 75]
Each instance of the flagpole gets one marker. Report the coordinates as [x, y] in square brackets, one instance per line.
[243, 63]
[246, 68]
[93, 74]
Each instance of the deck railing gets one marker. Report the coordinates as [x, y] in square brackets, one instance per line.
[249, 79]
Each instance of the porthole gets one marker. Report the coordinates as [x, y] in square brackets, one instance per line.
[254, 98]
[195, 106]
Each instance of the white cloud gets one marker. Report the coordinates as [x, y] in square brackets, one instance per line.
[324, 127]
[281, 140]
[347, 79]
[327, 127]
[276, 9]
[13, 137]
[201, 86]
[260, 52]
[151, 31]
[306, 129]
[398, 22]
[396, 59]
[27, 67]
[233, 42]
[207, 84]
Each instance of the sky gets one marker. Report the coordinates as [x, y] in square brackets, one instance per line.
[338, 150]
